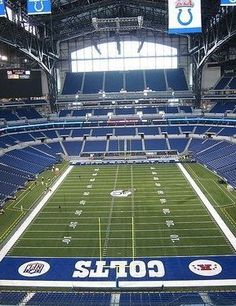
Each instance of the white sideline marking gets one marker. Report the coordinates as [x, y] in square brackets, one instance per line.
[227, 232]
[195, 283]
[6, 248]
[67, 284]
[121, 284]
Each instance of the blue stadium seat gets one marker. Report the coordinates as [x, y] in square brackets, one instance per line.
[73, 148]
[8, 115]
[222, 107]
[80, 132]
[134, 80]
[155, 80]
[170, 130]
[81, 112]
[148, 130]
[125, 131]
[72, 84]
[94, 146]
[114, 81]
[50, 134]
[116, 146]
[93, 82]
[102, 111]
[178, 144]
[222, 83]
[155, 144]
[64, 132]
[134, 145]
[65, 113]
[29, 113]
[125, 111]
[176, 79]
[102, 131]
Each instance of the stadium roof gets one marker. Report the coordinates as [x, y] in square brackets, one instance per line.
[70, 16]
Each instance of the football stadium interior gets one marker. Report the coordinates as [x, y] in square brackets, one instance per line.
[118, 152]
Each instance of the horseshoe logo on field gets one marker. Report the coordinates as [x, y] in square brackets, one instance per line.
[185, 23]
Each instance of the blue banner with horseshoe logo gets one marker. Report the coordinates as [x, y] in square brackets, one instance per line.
[185, 16]
[36, 7]
[228, 2]
[2, 8]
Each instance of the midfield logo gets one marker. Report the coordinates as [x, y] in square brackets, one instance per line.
[121, 193]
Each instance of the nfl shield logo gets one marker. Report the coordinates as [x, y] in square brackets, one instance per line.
[34, 268]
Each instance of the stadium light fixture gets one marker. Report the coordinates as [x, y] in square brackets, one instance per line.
[117, 24]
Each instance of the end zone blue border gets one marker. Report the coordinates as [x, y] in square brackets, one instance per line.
[118, 270]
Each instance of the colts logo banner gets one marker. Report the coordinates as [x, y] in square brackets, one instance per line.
[228, 2]
[185, 16]
[36, 7]
[2, 8]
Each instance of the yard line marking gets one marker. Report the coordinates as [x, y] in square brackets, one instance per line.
[126, 211]
[120, 238]
[123, 217]
[128, 230]
[132, 213]
[110, 215]
[118, 224]
[128, 247]
[222, 225]
[9, 244]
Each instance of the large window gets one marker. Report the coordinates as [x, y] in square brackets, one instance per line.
[107, 58]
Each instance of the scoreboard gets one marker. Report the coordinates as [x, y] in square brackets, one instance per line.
[17, 74]
[20, 83]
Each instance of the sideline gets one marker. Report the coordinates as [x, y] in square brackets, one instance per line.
[9, 244]
[227, 232]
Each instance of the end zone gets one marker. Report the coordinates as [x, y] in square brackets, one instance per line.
[139, 273]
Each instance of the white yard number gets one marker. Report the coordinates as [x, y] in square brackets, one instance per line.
[154, 173]
[66, 240]
[174, 238]
[73, 224]
[163, 201]
[97, 169]
[86, 193]
[153, 168]
[92, 180]
[166, 211]
[160, 192]
[94, 174]
[78, 212]
[170, 223]
[89, 186]
[158, 184]
[82, 202]
[156, 178]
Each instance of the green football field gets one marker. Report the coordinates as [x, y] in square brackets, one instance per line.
[160, 216]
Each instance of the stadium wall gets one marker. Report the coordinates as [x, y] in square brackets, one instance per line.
[210, 75]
